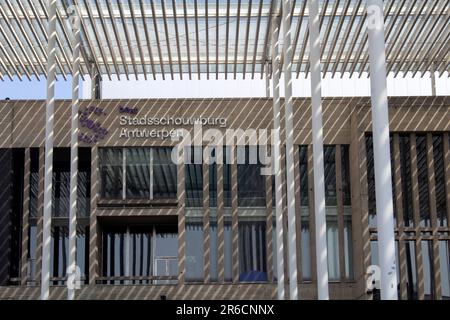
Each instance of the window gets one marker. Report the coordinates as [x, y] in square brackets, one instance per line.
[134, 254]
[411, 284]
[61, 183]
[213, 178]
[137, 174]
[428, 269]
[137, 168]
[214, 257]
[333, 249]
[252, 251]
[111, 173]
[444, 264]
[405, 167]
[59, 257]
[422, 175]
[306, 250]
[194, 251]
[303, 159]
[330, 175]
[251, 183]
[194, 176]
[439, 180]
[348, 247]
[371, 182]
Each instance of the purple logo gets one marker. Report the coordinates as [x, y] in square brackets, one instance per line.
[94, 131]
[128, 110]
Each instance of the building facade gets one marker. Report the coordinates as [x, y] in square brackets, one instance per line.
[149, 227]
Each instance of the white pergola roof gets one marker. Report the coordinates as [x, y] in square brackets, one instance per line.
[185, 37]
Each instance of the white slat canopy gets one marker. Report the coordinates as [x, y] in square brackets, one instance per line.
[186, 37]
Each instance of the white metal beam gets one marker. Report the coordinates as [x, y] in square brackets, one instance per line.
[289, 133]
[49, 119]
[381, 151]
[317, 133]
[72, 270]
[279, 228]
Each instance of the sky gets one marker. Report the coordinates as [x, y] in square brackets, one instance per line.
[220, 88]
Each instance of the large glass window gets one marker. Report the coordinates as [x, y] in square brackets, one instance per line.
[444, 264]
[330, 175]
[149, 173]
[405, 167]
[194, 251]
[59, 256]
[111, 173]
[61, 183]
[252, 251]
[136, 254]
[422, 175]
[333, 249]
[428, 269]
[194, 176]
[439, 180]
[371, 182]
[251, 184]
[348, 247]
[306, 250]
[137, 168]
[164, 174]
[411, 270]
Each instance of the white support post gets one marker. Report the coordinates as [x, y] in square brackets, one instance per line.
[381, 150]
[72, 274]
[433, 79]
[49, 119]
[287, 70]
[277, 161]
[267, 80]
[317, 134]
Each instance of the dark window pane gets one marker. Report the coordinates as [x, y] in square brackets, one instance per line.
[444, 264]
[428, 269]
[164, 174]
[439, 180]
[303, 158]
[111, 173]
[34, 181]
[194, 252]
[422, 175]
[59, 256]
[251, 184]
[138, 173]
[227, 251]
[333, 248]
[371, 182]
[306, 250]
[193, 177]
[348, 247]
[405, 162]
[61, 182]
[330, 175]
[345, 164]
[411, 284]
[213, 236]
[252, 251]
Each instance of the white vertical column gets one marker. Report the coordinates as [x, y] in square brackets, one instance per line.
[49, 117]
[267, 80]
[317, 134]
[72, 270]
[277, 161]
[381, 150]
[433, 79]
[287, 69]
